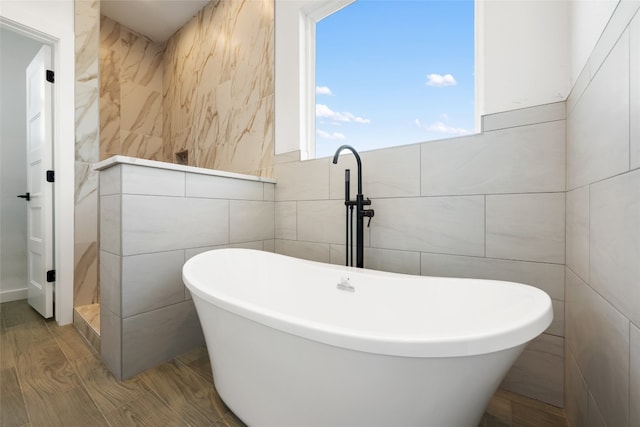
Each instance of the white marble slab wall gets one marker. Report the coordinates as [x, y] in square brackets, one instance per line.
[130, 93]
[218, 88]
[87, 28]
[152, 220]
[603, 230]
[487, 206]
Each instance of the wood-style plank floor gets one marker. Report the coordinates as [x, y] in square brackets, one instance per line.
[49, 376]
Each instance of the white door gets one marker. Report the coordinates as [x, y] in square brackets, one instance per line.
[39, 160]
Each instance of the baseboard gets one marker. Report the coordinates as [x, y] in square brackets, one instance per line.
[13, 295]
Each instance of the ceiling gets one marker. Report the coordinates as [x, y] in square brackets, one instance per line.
[156, 19]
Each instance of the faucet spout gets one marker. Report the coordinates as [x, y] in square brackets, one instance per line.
[359, 163]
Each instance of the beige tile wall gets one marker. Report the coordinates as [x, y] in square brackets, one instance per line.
[130, 93]
[87, 22]
[488, 206]
[207, 90]
[603, 230]
[218, 88]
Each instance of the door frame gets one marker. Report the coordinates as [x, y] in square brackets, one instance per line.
[52, 23]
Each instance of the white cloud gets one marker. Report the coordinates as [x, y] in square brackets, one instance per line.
[438, 80]
[440, 127]
[327, 135]
[345, 117]
[323, 90]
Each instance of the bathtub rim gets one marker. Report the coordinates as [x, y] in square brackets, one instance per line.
[345, 338]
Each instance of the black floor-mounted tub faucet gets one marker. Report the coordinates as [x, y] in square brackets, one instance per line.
[361, 212]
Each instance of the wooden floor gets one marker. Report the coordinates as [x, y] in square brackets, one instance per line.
[49, 376]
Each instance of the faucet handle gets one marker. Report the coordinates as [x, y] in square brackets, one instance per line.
[370, 213]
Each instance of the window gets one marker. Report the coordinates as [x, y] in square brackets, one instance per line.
[392, 73]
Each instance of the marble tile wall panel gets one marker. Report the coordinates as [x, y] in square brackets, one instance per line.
[110, 224]
[251, 149]
[87, 33]
[391, 172]
[634, 387]
[539, 371]
[308, 180]
[286, 220]
[453, 225]
[251, 220]
[111, 341]
[87, 125]
[159, 335]
[110, 280]
[524, 116]
[223, 112]
[615, 242]
[86, 289]
[595, 151]
[575, 407]
[598, 336]
[527, 227]
[141, 84]
[151, 281]
[86, 202]
[152, 181]
[577, 231]
[140, 145]
[130, 93]
[218, 187]
[306, 250]
[516, 160]
[159, 223]
[110, 60]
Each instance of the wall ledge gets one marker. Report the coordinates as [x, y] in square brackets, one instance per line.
[118, 160]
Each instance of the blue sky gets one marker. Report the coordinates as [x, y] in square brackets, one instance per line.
[393, 72]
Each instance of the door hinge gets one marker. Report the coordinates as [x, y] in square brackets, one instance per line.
[51, 276]
[50, 76]
[51, 176]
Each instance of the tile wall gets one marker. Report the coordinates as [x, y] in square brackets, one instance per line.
[490, 205]
[218, 88]
[87, 24]
[130, 93]
[603, 230]
[153, 220]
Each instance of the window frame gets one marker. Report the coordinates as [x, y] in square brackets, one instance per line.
[295, 69]
[295, 62]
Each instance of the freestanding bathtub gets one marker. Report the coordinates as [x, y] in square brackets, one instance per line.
[295, 343]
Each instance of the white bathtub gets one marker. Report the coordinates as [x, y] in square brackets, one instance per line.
[290, 349]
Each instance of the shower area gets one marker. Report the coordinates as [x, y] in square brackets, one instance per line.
[188, 100]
